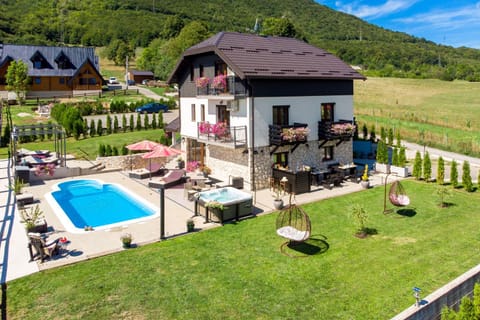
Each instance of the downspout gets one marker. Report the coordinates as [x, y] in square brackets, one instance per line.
[252, 144]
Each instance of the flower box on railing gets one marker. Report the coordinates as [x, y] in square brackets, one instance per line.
[220, 82]
[295, 134]
[342, 129]
[218, 130]
[202, 82]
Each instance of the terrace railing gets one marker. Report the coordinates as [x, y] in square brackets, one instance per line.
[280, 135]
[229, 136]
[229, 85]
[329, 130]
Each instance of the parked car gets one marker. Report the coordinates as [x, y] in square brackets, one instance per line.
[131, 82]
[112, 80]
[152, 107]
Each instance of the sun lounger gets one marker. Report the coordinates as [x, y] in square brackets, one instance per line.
[170, 179]
[32, 161]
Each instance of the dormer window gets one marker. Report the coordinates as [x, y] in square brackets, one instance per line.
[39, 61]
[63, 62]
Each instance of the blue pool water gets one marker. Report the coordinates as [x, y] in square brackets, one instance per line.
[81, 203]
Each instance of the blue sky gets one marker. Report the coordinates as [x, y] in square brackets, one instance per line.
[450, 22]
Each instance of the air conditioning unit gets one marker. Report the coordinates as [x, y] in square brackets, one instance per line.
[232, 105]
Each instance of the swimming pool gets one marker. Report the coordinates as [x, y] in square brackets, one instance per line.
[80, 203]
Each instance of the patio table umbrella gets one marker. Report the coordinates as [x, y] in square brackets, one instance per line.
[161, 151]
[144, 145]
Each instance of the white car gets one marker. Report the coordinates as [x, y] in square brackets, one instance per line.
[112, 80]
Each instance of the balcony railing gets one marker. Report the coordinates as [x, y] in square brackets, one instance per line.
[328, 130]
[280, 135]
[231, 136]
[229, 85]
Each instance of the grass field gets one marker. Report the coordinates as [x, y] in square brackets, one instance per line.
[237, 271]
[432, 112]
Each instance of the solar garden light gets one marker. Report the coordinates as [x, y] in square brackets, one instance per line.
[416, 294]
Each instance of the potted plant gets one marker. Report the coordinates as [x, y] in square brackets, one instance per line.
[216, 208]
[360, 217]
[278, 193]
[190, 225]
[33, 219]
[365, 183]
[206, 170]
[126, 240]
[180, 163]
[17, 185]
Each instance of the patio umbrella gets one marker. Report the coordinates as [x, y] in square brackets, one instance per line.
[161, 151]
[145, 145]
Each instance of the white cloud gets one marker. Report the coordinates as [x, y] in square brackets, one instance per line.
[371, 12]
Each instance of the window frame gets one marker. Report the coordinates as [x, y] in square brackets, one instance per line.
[328, 153]
[193, 114]
[327, 112]
[281, 115]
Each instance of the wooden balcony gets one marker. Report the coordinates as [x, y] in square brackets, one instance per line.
[232, 87]
[222, 135]
[343, 130]
[281, 135]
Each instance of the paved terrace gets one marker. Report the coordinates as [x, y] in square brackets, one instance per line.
[91, 244]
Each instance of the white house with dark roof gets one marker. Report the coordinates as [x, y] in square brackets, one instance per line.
[54, 71]
[252, 105]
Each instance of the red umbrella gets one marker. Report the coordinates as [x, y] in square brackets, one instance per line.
[146, 145]
[161, 151]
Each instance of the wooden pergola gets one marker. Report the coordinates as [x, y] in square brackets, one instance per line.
[57, 131]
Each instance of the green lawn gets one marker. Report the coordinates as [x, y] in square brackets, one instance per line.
[441, 114]
[237, 271]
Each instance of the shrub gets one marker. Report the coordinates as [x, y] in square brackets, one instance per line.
[131, 123]
[402, 157]
[454, 174]
[99, 127]
[390, 137]
[383, 134]
[360, 217]
[364, 131]
[427, 167]
[139, 122]
[382, 152]
[417, 166]
[441, 171]
[101, 150]
[145, 121]
[373, 137]
[124, 123]
[399, 140]
[466, 178]
[395, 157]
[115, 124]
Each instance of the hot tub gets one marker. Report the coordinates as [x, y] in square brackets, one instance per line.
[236, 204]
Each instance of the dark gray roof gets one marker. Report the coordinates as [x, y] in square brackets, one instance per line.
[253, 56]
[173, 126]
[141, 73]
[77, 56]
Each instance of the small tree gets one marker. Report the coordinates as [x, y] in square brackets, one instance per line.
[99, 127]
[373, 137]
[131, 123]
[139, 122]
[92, 128]
[364, 131]
[399, 139]
[145, 121]
[154, 121]
[441, 171]
[466, 310]
[454, 174]
[417, 166]
[395, 157]
[383, 134]
[402, 157]
[101, 150]
[109, 124]
[443, 193]
[466, 178]
[160, 122]
[382, 152]
[427, 167]
[390, 137]
[17, 79]
[360, 217]
[115, 124]
[108, 150]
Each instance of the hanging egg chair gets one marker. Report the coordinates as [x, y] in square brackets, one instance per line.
[397, 195]
[293, 224]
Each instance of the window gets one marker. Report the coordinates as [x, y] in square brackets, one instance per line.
[61, 80]
[192, 72]
[37, 64]
[193, 115]
[280, 115]
[280, 159]
[38, 80]
[201, 73]
[220, 68]
[327, 153]
[202, 112]
[327, 112]
[83, 81]
[92, 81]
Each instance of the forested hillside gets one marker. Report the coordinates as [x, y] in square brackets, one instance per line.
[123, 25]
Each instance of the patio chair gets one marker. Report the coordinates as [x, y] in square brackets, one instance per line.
[44, 249]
